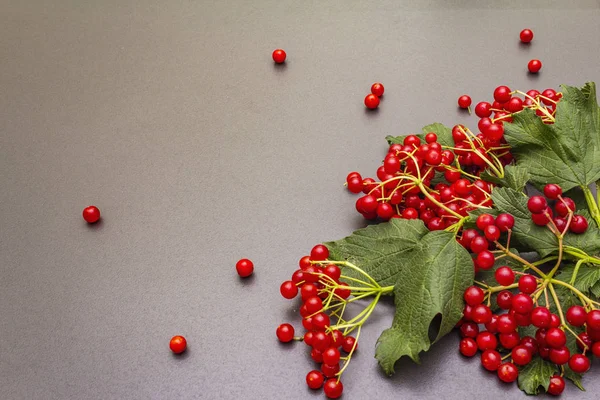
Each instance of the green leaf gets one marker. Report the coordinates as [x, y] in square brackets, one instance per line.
[443, 133]
[537, 238]
[515, 177]
[536, 374]
[429, 271]
[379, 249]
[574, 377]
[587, 276]
[566, 152]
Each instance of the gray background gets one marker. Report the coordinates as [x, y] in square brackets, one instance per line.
[171, 117]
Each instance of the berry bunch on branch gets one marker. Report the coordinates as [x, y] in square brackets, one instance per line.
[466, 241]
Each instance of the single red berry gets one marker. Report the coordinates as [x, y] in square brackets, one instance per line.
[485, 260]
[506, 324]
[510, 340]
[377, 89]
[244, 267]
[527, 283]
[579, 363]
[537, 204]
[348, 343]
[279, 56]
[534, 66]
[308, 290]
[333, 388]
[584, 341]
[526, 35]
[530, 344]
[596, 349]
[469, 329]
[341, 291]
[502, 94]
[316, 355]
[492, 326]
[522, 303]
[385, 211]
[331, 356]
[556, 338]
[91, 214]
[332, 271]
[410, 213]
[468, 347]
[473, 295]
[371, 101]
[321, 341]
[505, 276]
[319, 253]
[521, 355]
[484, 220]
[330, 370]
[320, 321]
[557, 385]
[355, 184]
[288, 289]
[304, 262]
[514, 105]
[492, 233]
[479, 244]
[508, 372]
[560, 356]
[313, 305]
[481, 314]
[337, 337]
[564, 206]
[491, 360]
[561, 223]
[494, 132]
[504, 299]
[593, 320]
[543, 218]
[314, 379]
[285, 333]
[486, 341]
[579, 224]
[431, 137]
[178, 344]
[554, 321]
[541, 317]
[552, 191]
[483, 109]
[464, 101]
[576, 315]
[505, 222]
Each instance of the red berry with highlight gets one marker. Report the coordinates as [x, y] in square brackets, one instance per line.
[244, 267]
[333, 388]
[526, 35]
[534, 66]
[377, 89]
[285, 333]
[464, 101]
[279, 56]
[314, 379]
[91, 214]
[371, 101]
[178, 344]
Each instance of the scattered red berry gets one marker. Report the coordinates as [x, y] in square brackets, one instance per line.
[534, 66]
[333, 388]
[285, 333]
[279, 56]
[377, 89]
[371, 101]
[91, 214]
[178, 344]
[244, 267]
[464, 101]
[526, 35]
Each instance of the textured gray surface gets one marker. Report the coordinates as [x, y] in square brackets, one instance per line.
[171, 117]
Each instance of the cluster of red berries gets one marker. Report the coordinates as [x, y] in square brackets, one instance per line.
[319, 286]
[483, 239]
[542, 215]
[506, 103]
[494, 334]
[405, 189]
[372, 100]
